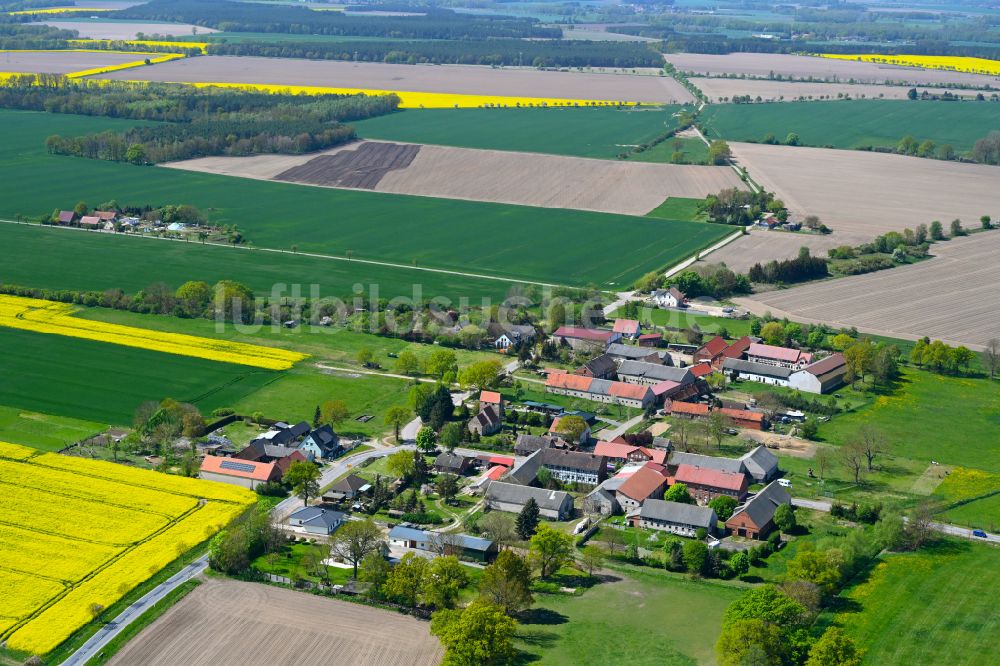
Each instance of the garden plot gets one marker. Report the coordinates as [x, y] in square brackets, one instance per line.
[766, 65]
[452, 79]
[951, 297]
[549, 181]
[232, 622]
[724, 89]
[861, 195]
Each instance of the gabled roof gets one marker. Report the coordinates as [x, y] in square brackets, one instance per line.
[489, 397]
[105, 215]
[738, 348]
[629, 391]
[784, 354]
[496, 472]
[601, 365]
[66, 215]
[760, 462]
[700, 370]
[488, 417]
[616, 349]
[568, 382]
[407, 532]
[641, 485]
[691, 408]
[712, 478]
[325, 438]
[551, 500]
[761, 507]
[243, 469]
[742, 414]
[762, 369]
[677, 293]
[451, 461]
[682, 514]
[581, 333]
[90, 220]
[626, 326]
[829, 365]
[666, 387]
[619, 450]
[527, 444]
[351, 483]
[579, 460]
[713, 347]
[654, 371]
[678, 458]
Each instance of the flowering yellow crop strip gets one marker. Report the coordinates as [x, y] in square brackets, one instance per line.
[23, 593]
[197, 488]
[202, 46]
[16, 451]
[953, 63]
[56, 623]
[60, 10]
[125, 65]
[97, 490]
[30, 314]
[34, 548]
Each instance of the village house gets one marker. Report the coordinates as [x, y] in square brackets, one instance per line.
[528, 444]
[820, 377]
[585, 339]
[650, 340]
[668, 298]
[600, 367]
[66, 217]
[760, 464]
[461, 545]
[621, 453]
[505, 336]
[350, 487]
[451, 463]
[674, 517]
[630, 329]
[316, 520]
[603, 500]
[710, 351]
[783, 357]
[511, 497]
[244, 473]
[564, 466]
[649, 481]
[91, 221]
[619, 352]
[486, 422]
[321, 444]
[755, 519]
[705, 484]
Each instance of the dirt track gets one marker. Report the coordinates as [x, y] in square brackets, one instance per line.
[454, 79]
[60, 62]
[361, 168]
[531, 179]
[952, 297]
[716, 89]
[225, 622]
[823, 69]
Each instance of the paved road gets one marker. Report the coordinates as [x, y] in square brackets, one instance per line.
[608, 435]
[944, 528]
[98, 641]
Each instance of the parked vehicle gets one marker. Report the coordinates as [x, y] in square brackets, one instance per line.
[784, 483]
[980, 533]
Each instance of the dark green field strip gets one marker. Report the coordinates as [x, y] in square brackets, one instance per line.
[103, 382]
[518, 242]
[602, 133]
[855, 123]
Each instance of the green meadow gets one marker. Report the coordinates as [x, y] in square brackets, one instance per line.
[514, 242]
[855, 123]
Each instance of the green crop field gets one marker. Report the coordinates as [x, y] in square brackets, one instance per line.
[409, 230]
[855, 123]
[599, 132]
[44, 431]
[929, 607]
[645, 617]
[100, 382]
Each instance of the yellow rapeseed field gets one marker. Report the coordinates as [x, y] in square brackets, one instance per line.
[60, 10]
[953, 63]
[202, 46]
[16, 451]
[153, 59]
[121, 525]
[31, 314]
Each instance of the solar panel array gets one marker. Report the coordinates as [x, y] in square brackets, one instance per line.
[237, 466]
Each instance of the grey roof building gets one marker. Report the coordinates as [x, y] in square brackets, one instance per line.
[758, 372]
[349, 487]
[321, 443]
[684, 519]
[317, 520]
[566, 466]
[640, 372]
[755, 518]
[528, 444]
[552, 504]
[451, 463]
[631, 352]
[601, 367]
[760, 464]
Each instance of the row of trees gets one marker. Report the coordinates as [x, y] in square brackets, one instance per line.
[800, 269]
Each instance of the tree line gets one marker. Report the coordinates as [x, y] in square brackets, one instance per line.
[800, 269]
[496, 52]
[199, 121]
[433, 23]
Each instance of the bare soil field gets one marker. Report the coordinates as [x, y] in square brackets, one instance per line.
[225, 622]
[60, 62]
[761, 246]
[825, 69]
[718, 88]
[860, 194]
[549, 181]
[361, 168]
[123, 30]
[951, 297]
[453, 79]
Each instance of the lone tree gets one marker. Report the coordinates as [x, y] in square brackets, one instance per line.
[303, 476]
[991, 357]
[527, 519]
[853, 457]
[550, 550]
[397, 417]
[482, 633]
[507, 582]
[784, 518]
[571, 428]
[356, 539]
[872, 442]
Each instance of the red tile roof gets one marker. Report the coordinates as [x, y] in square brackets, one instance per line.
[490, 397]
[628, 391]
[699, 370]
[567, 381]
[641, 485]
[583, 333]
[664, 387]
[90, 220]
[500, 460]
[828, 364]
[713, 478]
[692, 408]
[496, 472]
[738, 348]
[713, 347]
[785, 354]
[743, 415]
[243, 469]
[622, 451]
[626, 326]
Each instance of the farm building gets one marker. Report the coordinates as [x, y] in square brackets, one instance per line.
[755, 519]
[674, 517]
[451, 463]
[742, 418]
[511, 497]
[668, 298]
[760, 464]
[528, 444]
[460, 545]
[820, 377]
[705, 484]
[711, 350]
[756, 372]
[350, 487]
[565, 466]
[689, 410]
[630, 329]
[600, 390]
[316, 520]
[601, 367]
[617, 452]
[620, 352]
[66, 217]
[650, 374]
[585, 339]
[505, 336]
[649, 481]
[244, 473]
[783, 357]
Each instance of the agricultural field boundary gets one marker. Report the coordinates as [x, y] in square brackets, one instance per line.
[153, 58]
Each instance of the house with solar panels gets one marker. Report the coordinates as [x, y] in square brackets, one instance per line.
[246, 473]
